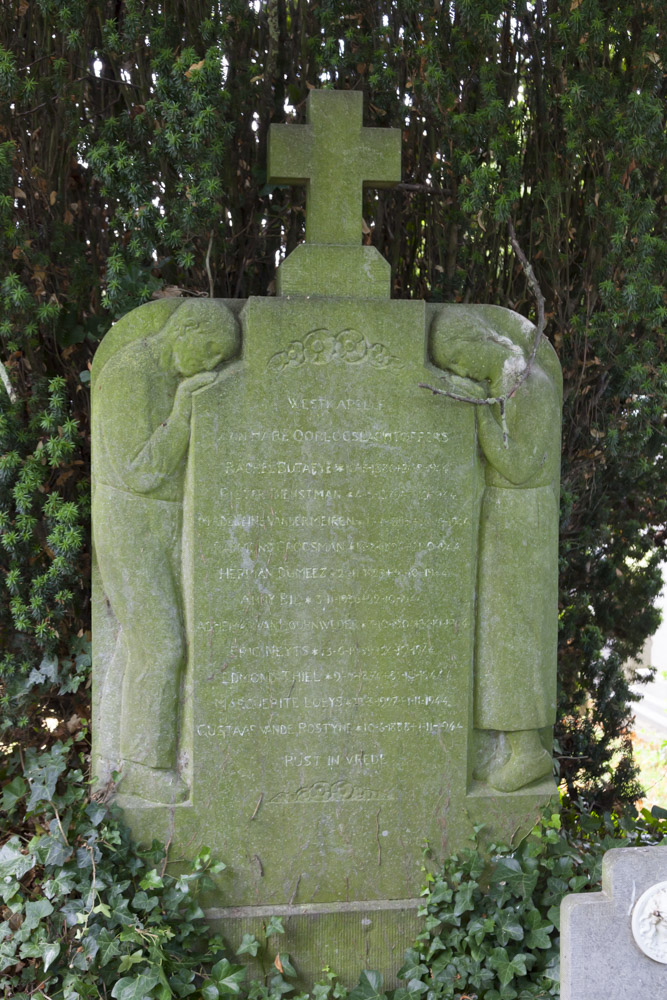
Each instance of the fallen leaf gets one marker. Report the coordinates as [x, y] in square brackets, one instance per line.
[195, 66]
[625, 181]
[73, 724]
[68, 218]
[64, 476]
[52, 197]
[20, 193]
[168, 292]
[278, 964]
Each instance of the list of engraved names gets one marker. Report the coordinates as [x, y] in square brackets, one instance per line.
[337, 532]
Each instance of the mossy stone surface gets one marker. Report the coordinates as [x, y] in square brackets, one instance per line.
[335, 157]
[331, 516]
[324, 597]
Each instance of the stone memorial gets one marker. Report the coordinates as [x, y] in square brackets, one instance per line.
[325, 599]
[614, 942]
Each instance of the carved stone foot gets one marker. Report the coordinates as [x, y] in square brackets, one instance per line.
[151, 783]
[520, 770]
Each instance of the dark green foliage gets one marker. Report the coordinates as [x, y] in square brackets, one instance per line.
[43, 507]
[491, 925]
[84, 914]
[132, 164]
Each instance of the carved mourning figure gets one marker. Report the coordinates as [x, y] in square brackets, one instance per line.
[141, 426]
[517, 579]
[300, 622]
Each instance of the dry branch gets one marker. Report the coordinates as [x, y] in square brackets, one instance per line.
[4, 378]
[501, 401]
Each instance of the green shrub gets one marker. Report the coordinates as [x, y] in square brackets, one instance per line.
[133, 164]
[492, 919]
[44, 509]
[86, 914]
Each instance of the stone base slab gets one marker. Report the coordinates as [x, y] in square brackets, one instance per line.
[345, 937]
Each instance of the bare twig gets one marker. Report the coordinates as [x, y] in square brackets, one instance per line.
[50, 100]
[424, 189]
[208, 266]
[4, 376]
[163, 867]
[539, 298]
[501, 401]
[79, 79]
[62, 832]
[110, 79]
[476, 401]
[93, 884]
[104, 793]
[182, 857]
[259, 802]
[296, 889]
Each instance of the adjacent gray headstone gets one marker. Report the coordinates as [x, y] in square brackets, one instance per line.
[614, 942]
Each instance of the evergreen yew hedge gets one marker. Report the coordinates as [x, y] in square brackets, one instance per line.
[132, 165]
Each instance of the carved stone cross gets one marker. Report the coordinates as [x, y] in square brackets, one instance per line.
[335, 157]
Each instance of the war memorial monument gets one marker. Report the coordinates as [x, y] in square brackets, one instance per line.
[325, 601]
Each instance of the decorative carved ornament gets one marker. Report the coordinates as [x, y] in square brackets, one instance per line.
[321, 347]
[649, 922]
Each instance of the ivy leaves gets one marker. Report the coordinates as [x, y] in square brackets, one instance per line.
[83, 907]
[369, 988]
[491, 923]
[226, 980]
